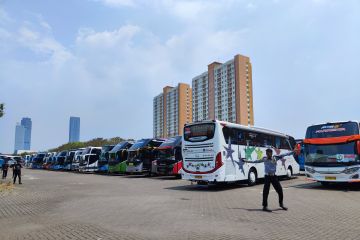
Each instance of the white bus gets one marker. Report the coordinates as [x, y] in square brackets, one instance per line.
[89, 159]
[213, 152]
[332, 152]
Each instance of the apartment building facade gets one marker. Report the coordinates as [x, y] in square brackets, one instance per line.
[224, 92]
[171, 110]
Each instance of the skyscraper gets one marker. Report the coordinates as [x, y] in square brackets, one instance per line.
[74, 129]
[19, 137]
[27, 124]
[171, 110]
[224, 92]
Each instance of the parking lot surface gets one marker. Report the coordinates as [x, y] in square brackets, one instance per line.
[62, 205]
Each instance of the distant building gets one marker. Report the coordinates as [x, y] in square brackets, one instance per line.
[27, 124]
[23, 134]
[171, 110]
[74, 129]
[224, 92]
[19, 137]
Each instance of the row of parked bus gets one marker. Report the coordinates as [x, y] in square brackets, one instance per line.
[151, 156]
[214, 151]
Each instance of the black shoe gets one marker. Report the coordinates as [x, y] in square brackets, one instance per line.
[20, 183]
[283, 207]
[265, 209]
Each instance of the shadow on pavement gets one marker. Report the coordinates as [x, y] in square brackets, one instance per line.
[345, 187]
[257, 210]
[207, 188]
[165, 178]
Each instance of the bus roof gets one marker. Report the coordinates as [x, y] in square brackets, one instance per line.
[239, 126]
[355, 121]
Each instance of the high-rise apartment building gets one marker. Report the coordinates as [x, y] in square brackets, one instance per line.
[171, 110]
[74, 129]
[224, 92]
[27, 124]
[19, 137]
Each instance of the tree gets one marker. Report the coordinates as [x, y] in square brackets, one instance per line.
[2, 109]
[96, 142]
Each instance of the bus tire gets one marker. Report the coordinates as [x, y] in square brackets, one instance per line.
[252, 177]
[289, 173]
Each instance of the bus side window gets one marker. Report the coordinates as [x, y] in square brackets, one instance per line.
[240, 136]
[277, 142]
[285, 144]
[236, 135]
[267, 140]
[252, 138]
[227, 133]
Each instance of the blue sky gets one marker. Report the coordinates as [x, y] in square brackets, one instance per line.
[105, 60]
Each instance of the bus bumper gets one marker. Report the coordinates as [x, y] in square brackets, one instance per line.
[134, 168]
[210, 178]
[334, 175]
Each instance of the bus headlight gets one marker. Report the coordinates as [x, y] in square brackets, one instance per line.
[310, 170]
[351, 170]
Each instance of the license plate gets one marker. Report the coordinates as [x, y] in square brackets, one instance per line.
[198, 177]
[131, 164]
[330, 178]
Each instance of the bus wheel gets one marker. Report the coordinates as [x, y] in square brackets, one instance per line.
[252, 177]
[289, 173]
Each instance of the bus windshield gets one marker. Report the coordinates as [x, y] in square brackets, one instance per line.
[171, 142]
[140, 144]
[331, 155]
[199, 132]
[119, 147]
[107, 148]
[332, 130]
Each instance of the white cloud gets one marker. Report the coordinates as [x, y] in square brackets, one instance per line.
[117, 3]
[4, 16]
[107, 38]
[43, 44]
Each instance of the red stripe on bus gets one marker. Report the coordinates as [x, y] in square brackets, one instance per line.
[332, 140]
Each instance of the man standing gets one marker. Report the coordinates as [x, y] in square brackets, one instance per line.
[5, 168]
[17, 171]
[270, 163]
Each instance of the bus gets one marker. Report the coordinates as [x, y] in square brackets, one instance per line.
[37, 162]
[76, 159]
[300, 157]
[332, 152]
[118, 157]
[213, 152]
[168, 157]
[69, 160]
[49, 161]
[89, 159]
[59, 161]
[141, 155]
[103, 163]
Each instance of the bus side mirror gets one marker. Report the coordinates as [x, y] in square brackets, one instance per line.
[358, 147]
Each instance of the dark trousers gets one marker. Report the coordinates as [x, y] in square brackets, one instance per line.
[4, 174]
[17, 174]
[276, 184]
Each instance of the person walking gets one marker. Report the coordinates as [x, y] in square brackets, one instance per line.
[270, 163]
[5, 168]
[17, 171]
